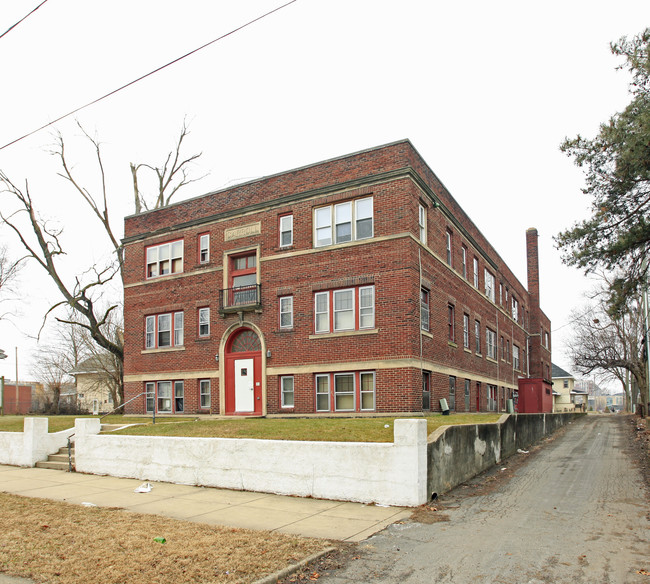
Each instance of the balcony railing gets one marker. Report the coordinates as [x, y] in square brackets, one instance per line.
[241, 298]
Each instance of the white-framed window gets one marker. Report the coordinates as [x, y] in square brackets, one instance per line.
[475, 264]
[367, 390]
[286, 312]
[547, 342]
[515, 357]
[466, 331]
[344, 310]
[164, 259]
[164, 330]
[477, 335]
[452, 393]
[349, 221]
[286, 391]
[345, 392]
[204, 248]
[205, 393]
[463, 250]
[424, 309]
[500, 293]
[492, 398]
[451, 322]
[503, 348]
[490, 285]
[150, 396]
[449, 247]
[515, 309]
[204, 322]
[322, 393]
[286, 230]
[422, 223]
[179, 396]
[491, 343]
[165, 396]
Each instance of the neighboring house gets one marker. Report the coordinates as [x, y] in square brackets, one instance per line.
[567, 398]
[356, 284]
[93, 378]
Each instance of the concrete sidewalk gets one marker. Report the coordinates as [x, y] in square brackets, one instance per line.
[334, 520]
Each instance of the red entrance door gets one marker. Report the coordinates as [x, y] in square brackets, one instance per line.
[243, 373]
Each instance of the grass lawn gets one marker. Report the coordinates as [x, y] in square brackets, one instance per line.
[51, 541]
[316, 428]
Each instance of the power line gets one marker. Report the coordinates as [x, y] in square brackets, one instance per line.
[109, 94]
[23, 18]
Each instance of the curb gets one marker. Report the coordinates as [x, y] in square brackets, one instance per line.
[273, 578]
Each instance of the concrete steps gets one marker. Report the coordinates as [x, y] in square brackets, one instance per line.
[58, 461]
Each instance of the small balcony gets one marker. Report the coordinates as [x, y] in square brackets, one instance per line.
[241, 299]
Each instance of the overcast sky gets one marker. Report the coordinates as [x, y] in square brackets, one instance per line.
[485, 91]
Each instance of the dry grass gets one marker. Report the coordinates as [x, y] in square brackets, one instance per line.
[60, 543]
[59, 423]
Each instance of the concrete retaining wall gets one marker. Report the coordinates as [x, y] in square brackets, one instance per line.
[384, 473]
[458, 453]
[34, 443]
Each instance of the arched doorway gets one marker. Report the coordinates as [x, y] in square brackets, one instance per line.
[243, 385]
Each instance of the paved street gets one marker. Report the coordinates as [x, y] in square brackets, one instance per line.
[576, 513]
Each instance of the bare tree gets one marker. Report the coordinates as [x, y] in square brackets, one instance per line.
[170, 177]
[8, 276]
[43, 244]
[610, 344]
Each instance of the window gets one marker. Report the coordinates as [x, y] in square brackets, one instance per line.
[452, 394]
[344, 310]
[150, 392]
[158, 330]
[422, 223]
[343, 392]
[164, 259]
[490, 285]
[449, 251]
[477, 335]
[546, 341]
[515, 357]
[322, 393]
[204, 322]
[286, 391]
[450, 322]
[286, 230]
[179, 395]
[466, 331]
[286, 312]
[503, 349]
[515, 309]
[501, 294]
[492, 398]
[426, 390]
[353, 391]
[467, 389]
[508, 350]
[476, 273]
[243, 280]
[463, 250]
[165, 396]
[205, 392]
[565, 383]
[424, 309]
[204, 248]
[491, 343]
[352, 220]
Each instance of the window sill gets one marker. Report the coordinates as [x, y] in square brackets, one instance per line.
[203, 339]
[480, 355]
[426, 333]
[491, 360]
[285, 329]
[344, 334]
[162, 350]
[452, 344]
[468, 351]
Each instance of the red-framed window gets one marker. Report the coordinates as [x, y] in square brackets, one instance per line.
[344, 309]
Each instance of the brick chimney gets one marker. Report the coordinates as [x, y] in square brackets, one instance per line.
[534, 324]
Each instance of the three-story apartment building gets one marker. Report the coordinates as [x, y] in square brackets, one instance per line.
[356, 284]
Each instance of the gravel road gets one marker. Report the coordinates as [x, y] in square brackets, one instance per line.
[575, 512]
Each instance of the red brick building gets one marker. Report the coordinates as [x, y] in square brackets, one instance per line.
[356, 284]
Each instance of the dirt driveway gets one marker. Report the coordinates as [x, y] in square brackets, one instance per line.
[575, 512]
